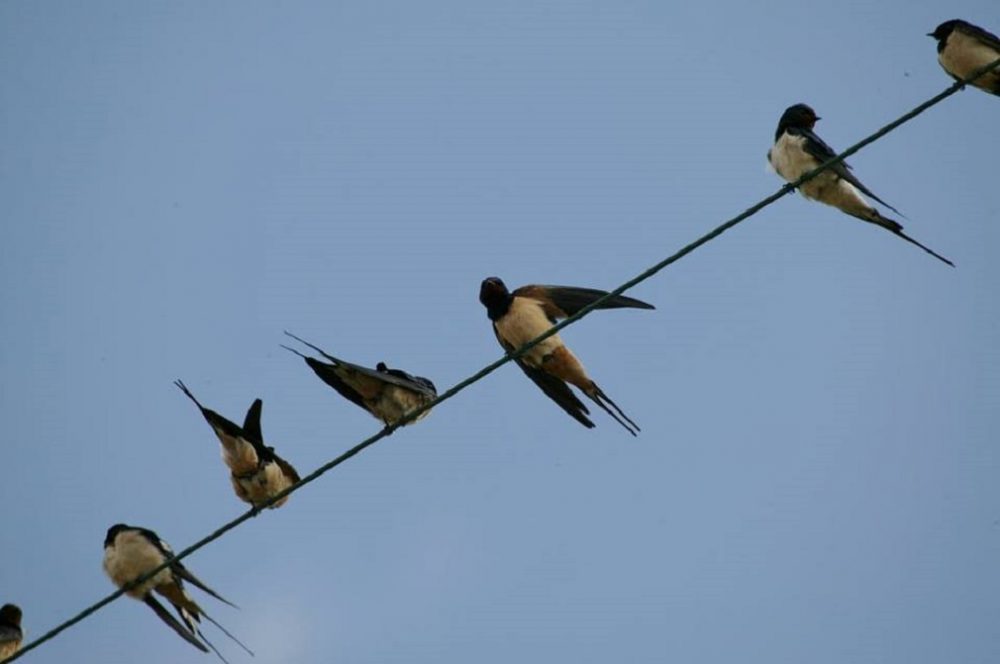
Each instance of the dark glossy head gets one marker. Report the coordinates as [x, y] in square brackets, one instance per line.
[494, 296]
[942, 31]
[10, 614]
[493, 291]
[799, 115]
[113, 533]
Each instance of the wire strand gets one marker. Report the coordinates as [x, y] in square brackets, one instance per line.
[493, 366]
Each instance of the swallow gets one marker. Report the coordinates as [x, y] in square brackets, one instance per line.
[963, 48]
[388, 394]
[521, 315]
[10, 630]
[797, 150]
[130, 552]
[257, 473]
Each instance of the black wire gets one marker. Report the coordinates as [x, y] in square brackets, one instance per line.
[490, 368]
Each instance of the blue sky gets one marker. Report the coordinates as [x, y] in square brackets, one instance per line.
[819, 401]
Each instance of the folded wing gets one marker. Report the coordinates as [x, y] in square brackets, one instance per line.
[564, 301]
[817, 148]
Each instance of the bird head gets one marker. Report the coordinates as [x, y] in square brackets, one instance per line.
[800, 116]
[11, 613]
[942, 31]
[113, 533]
[492, 291]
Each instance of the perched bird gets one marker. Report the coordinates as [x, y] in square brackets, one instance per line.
[963, 48]
[130, 552]
[520, 316]
[797, 150]
[257, 473]
[10, 630]
[386, 393]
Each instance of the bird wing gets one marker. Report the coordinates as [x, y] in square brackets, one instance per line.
[393, 377]
[179, 570]
[371, 381]
[216, 421]
[155, 540]
[409, 381]
[554, 388]
[983, 36]
[177, 567]
[330, 377]
[251, 424]
[286, 467]
[168, 618]
[564, 301]
[250, 433]
[253, 434]
[817, 148]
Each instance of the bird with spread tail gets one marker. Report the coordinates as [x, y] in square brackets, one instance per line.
[798, 150]
[963, 48]
[256, 471]
[130, 552]
[388, 394]
[521, 315]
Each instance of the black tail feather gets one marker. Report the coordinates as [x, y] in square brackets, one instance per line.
[179, 383]
[226, 632]
[212, 646]
[289, 348]
[180, 570]
[896, 228]
[620, 411]
[314, 347]
[188, 635]
[925, 248]
[599, 397]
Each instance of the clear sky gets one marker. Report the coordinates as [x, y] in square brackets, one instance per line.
[816, 478]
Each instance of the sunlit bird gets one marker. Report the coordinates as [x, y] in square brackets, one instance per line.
[963, 48]
[256, 471]
[797, 150]
[521, 315]
[388, 394]
[130, 552]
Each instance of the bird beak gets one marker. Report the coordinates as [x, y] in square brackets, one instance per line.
[930, 34]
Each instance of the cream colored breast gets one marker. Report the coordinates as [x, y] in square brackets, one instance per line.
[263, 484]
[131, 556]
[8, 648]
[524, 321]
[789, 157]
[964, 54]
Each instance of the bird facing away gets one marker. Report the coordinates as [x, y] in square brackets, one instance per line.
[257, 473]
[963, 48]
[130, 552]
[388, 394]
[797, 150]
[10, 630]
[520, 316]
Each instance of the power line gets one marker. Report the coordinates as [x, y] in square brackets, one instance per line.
[490, 368]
